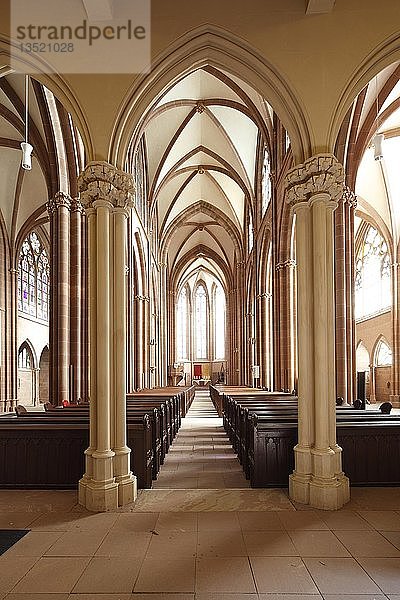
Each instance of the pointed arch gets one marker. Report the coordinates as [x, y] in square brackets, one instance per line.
[210, 46]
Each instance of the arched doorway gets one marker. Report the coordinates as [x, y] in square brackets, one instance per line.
[26, 394]
[44, 376]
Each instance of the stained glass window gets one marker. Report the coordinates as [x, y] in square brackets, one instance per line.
[266, 188]
[201, 321]
[219, 319]
[372, 280]
[182, 325]
[33, 278]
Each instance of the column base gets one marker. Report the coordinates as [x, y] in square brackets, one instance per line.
[329, 493]
[127, 489]
[299, 488]
[395, 400]
[98, 496]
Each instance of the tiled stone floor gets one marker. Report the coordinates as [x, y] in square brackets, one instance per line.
[202, 544]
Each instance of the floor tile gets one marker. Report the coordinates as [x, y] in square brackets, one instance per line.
[140, 596]
[292, 597]
[109, 575]
[318, 544]
[354, 597]
[136, 522]
[224, 575]
[39, 597]
[385, 572]
[271, 543]
[12, 570]
[340, 576]
[367, 543]
[77, 543]
[393, 537]
[210, 521]
[210, 596]
[260, 521]
[41, 578]
[279, 575]
[168, 575]
[179, 521]
[307, 520]
[99, 597]
[172, 543]
[124, 543]
[17, 520]
[220, 543]
[343, 520]
[382, 519]
[34, 543]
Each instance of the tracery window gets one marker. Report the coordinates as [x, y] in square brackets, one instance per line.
[372, 280]
[33, 278]
[182, 325]
[25, 359]
[219, 321]
[266, 188]
[383, 355]
[201, 321]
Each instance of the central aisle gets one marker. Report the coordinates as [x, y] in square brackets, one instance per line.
[201, 456]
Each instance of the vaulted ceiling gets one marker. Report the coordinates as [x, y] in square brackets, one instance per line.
[377, 182]
[201, 139]
[56, 143]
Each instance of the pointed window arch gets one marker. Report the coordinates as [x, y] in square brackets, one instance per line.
[182, 329]
[201, 320]
[33, 278]
[219, 323]
[25, 357]
[383, 354]
[372, 280]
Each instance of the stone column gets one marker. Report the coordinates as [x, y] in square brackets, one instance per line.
[76, 298]
[122, 472]
[313, 189]
[395, 395]
[106, 196]
[59, 211]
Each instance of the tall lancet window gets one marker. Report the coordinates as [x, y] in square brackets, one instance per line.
[219, 321]
[266, 188]
[33, 278]
[250, 235]
[372, 285]
[182, 329]
[201, 321]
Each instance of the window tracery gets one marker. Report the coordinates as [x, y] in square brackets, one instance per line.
[33, 278]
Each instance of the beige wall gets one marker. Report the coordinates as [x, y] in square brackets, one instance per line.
[370, 330]
[339, 52]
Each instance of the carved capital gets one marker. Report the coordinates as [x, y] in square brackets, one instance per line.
[102, 181]
[76, 205]
[321, 174]
[60, 199]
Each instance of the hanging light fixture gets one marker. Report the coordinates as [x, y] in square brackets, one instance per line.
[26, 147]
[377, 140]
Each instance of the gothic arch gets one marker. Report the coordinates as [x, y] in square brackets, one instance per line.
[380, 57]
[211, 46]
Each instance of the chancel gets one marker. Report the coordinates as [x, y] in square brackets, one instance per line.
[199, 302]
